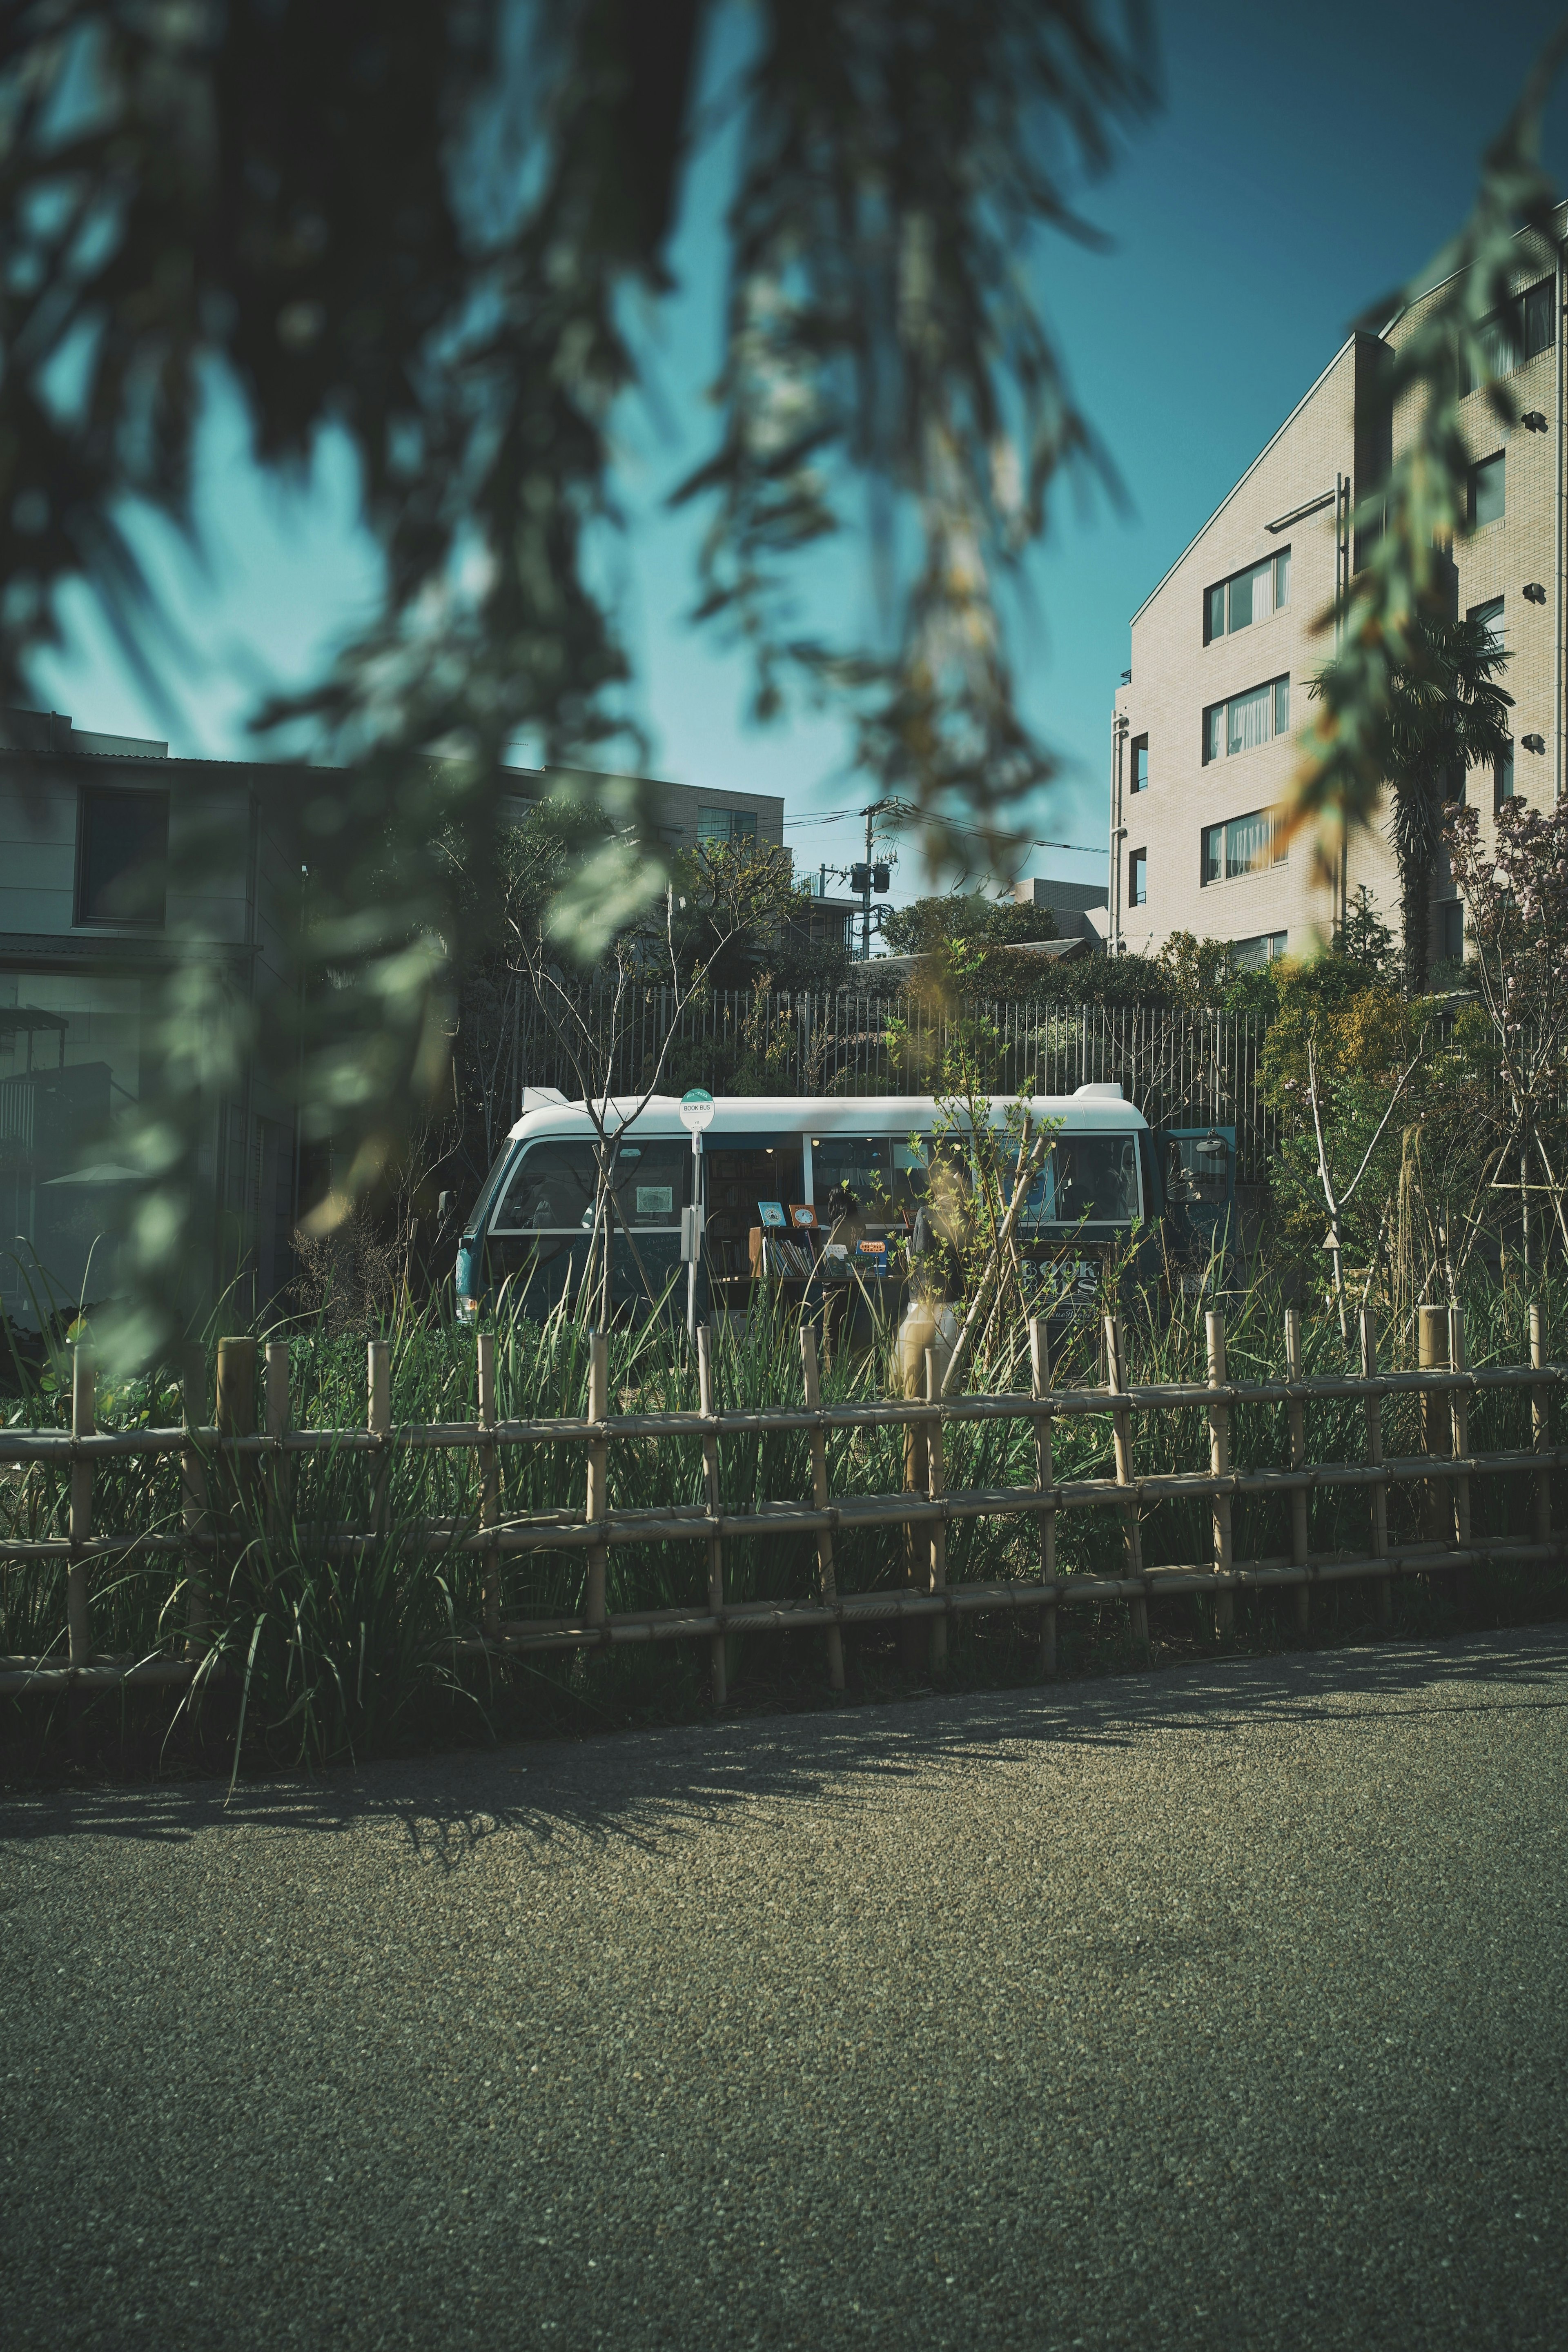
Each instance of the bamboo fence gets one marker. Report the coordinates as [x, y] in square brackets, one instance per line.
[235, 1486]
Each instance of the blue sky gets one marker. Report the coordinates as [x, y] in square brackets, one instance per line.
[1305, 162]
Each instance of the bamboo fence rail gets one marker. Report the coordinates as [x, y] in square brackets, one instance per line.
[235, 1483]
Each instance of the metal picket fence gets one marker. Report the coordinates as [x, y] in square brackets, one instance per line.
[1180, 1068]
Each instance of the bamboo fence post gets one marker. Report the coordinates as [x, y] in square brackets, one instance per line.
[1114, 1342]
[236, 1417]
[598, 1473]
[1436, 1425]
[824, 1563]
[1539, 1424]
[378, 1421]
[715, 1508]
[194, 1496]
[1041, 1366]
[278, 1481]
[84, 1422]
[1374, 1457]
[1219, 1466]
[934, 1478]
[1460, 1361]
[1297, 1414]
[912, 1373]
[489, 1484]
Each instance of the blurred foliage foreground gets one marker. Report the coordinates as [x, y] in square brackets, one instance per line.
[444, 234]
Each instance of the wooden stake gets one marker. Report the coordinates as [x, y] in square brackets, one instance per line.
[1115, 1345]
[826, 1569]
[1436, 1425]
[934, 1476]
[1296, 1414]
[715, 1506]
[194, 1499]
[236, 1417]
[912, 1342]
[598, 1473]
[1040, 1367]
[1374, 1457]
[489, 1482]
[1220, 1465]
[1540, 1422]
[84, 1422]
[1459, 1428]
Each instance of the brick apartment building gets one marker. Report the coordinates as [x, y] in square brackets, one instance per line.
[1222, 650]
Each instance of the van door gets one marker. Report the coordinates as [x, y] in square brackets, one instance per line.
[1200, 1195]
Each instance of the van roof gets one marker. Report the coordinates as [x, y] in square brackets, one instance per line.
[1091, 1109]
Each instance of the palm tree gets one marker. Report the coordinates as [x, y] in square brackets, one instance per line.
[1447, 712]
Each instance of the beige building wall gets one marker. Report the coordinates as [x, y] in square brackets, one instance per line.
[1298, 496]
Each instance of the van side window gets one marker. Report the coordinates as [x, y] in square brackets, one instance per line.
[1092, 1177]
[552, 1188]
[651, 1181]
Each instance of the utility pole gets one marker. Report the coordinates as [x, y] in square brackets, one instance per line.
[871, 815]
[864, 879]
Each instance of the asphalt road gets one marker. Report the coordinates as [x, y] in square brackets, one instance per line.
[1221, 2007]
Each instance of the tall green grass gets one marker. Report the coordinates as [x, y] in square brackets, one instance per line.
[330, 1655]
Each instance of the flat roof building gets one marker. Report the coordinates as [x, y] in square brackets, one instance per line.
[1223, 650]
[683, 815]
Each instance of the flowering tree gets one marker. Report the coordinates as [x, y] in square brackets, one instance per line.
[1516, 894]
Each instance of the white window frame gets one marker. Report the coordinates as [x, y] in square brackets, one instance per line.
[1278, 855]
[1217, 721]
[1276, 568]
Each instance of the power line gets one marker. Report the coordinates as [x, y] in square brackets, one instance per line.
[975, 832]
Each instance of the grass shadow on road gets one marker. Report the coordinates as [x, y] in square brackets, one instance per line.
[649, 1787]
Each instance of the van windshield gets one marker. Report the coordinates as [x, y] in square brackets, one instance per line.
[491, 1185]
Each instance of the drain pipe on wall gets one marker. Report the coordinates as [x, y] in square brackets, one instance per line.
[1119, 729]
[1557, 775]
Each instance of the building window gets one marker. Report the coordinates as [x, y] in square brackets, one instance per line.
[71, 1072]
[1514, 335]
[1139, 763]
[1138, 878]
[1490, 615]
[1247, 596]
[1246, 844]
[1247, 719]
[1487, 491]
[1251, 955]
[1451, 931]
[121, 857]
[1502, 780]
[733, 825]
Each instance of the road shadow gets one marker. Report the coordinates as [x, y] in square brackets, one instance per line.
[645, 1787]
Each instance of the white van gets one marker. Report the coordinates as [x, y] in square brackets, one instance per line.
[532, 1220]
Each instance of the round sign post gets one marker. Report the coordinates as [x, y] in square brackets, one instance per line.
[697, 1108]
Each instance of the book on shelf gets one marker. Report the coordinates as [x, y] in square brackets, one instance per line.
[792, 1259]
